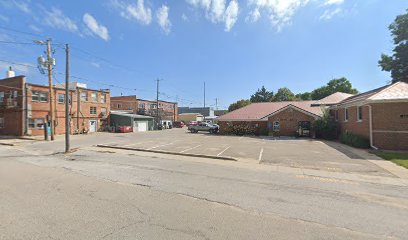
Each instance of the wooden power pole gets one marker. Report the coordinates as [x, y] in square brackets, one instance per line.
[67, 115]
[50, 63]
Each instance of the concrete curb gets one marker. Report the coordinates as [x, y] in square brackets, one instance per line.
[7, 144]
[168, 152]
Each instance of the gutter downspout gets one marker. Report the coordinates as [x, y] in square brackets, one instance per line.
[25, 108]
[371, 127]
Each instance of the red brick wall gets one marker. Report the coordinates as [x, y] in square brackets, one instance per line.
[40, 110]
[125, 103]
[289, 121]
[224, 125]
[390, 130]
[360, 128]
[12, 110]
[390, 117]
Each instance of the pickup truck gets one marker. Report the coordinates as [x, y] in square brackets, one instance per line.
[206, 127]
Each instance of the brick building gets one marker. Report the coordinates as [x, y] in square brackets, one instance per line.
[380, 115]
[167, 110]
[24, 108]
[274, 118]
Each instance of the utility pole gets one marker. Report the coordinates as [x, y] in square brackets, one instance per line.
[51, 89]
[204, 94]
[67, 116]
[157, 104]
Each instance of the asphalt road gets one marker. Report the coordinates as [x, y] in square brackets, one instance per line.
[102, 194]
[301, 153]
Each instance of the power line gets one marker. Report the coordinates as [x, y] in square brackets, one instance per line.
[22, 32]
[22, 43]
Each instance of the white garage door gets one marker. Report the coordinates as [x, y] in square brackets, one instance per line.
[141, 126]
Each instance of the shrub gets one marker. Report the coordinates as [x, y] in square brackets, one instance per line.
[325, 128]
[354, 140]
[240, 129]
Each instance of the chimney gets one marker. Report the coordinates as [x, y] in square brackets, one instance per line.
[10, 73]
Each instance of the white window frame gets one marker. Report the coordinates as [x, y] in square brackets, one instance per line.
[94, 97]
[276, 126]
[92, 112]
[103, 98]
[346, 115]
[63, 98]
[34, 122]
[35, 94]
[359, 116]
[83, 96]
[2, 122]
[44, 95]
[1, 97]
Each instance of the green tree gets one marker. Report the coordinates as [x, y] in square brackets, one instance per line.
[262, 95]
[238, 104]
[397, 64]
[304, 96]
[284, 94]
[335, 85]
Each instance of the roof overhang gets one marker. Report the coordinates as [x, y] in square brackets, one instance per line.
[293, 107]
[242, 120]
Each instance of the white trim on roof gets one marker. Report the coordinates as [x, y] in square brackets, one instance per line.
[242, 120]
[296, 108]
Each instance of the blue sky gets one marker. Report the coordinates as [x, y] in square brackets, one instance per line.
[235, 46]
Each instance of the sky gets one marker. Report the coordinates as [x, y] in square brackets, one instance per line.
[234, 46]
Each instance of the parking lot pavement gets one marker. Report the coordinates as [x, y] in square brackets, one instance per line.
[298, 153]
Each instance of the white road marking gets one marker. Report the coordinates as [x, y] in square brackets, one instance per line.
[260, 155]
[129, 145]
[191, 148]
[159, 146]
[223, 151]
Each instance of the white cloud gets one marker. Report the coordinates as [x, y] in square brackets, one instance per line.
[163, 18]
[281, 12]
[4, 18]
[217, 11]
[231, 15]
[22, 6]
[96, 27]
[333, 2]
[21, 69]
[329, 14]
[97, 65]
[56, 18]
[138, 11]
[184, 17]
[34, 28]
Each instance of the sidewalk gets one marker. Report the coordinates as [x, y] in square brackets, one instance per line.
[14, 140]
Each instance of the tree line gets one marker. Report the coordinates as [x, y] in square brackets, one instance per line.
[396, 64]
[285, 94]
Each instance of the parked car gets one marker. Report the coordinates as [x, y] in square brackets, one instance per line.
[178, 124]
[206, 127]
[192, 123]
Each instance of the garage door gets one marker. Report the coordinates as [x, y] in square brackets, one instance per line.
[141, 126]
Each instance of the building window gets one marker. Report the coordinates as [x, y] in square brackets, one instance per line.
[43, 97]
[141, 105]
[94, 97]
[119, 106]
[346, 115]
[92, 110]
[276, 126]
[359, 114]
[35, 96]
[61, 98]
[1, 97]
[2, 122]
[103, 111]
[153, 106]
[103, 98]
[84, 96]
[336, 115]
[37, 123]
